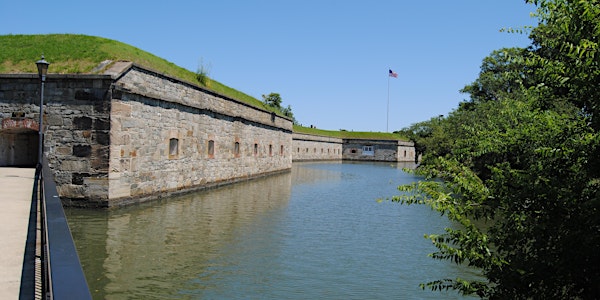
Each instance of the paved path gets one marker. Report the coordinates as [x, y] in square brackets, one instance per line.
[16, 186]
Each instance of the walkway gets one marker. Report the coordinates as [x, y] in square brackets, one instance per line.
[16, 187]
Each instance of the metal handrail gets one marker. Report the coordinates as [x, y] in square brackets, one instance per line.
[61, 274]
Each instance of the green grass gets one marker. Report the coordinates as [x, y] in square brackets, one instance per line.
[349, 134]
[80, 54]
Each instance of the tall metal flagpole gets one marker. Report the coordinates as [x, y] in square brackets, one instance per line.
[387, 121]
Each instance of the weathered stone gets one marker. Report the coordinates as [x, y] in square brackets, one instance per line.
[82, 150]
[82, 123]
[112, 137]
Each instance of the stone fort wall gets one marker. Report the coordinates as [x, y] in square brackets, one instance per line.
[378, 150]
[76, 125]
[307, 147]
[168, 136]
[132, 134]
[135, 135]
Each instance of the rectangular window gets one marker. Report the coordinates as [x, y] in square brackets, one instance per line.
[368, 150]
[255, 149]
[236, 149]
[281, 150]
[173, 148]
[211, 148]
[270, 150]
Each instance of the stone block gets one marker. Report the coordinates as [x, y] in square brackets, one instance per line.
[82, 150]
[82, 123]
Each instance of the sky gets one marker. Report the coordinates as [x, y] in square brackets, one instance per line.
[328, 59]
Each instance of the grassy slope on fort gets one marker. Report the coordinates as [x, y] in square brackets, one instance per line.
[349, 134]
[80, 54]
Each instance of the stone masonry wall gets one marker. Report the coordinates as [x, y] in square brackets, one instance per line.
[378, 150]
[76, 125]
[167, 137]
[134, 135]
[311, 147]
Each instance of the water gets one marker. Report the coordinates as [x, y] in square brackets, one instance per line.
[315, 233]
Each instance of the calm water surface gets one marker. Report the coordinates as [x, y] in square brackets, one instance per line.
[315, 233]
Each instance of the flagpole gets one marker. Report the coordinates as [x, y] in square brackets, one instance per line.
[387, 121]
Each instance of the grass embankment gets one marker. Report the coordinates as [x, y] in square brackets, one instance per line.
[350, 134]
[80, 54]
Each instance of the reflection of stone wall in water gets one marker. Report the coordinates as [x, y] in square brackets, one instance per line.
[178, 239]
[302, 173]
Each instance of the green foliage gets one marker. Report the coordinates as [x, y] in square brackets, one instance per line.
[202, 74]
[272, 100]
[517, 165]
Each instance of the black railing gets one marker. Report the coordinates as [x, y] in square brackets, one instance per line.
[60, 275]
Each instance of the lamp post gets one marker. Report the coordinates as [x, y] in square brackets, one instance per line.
[42, 66]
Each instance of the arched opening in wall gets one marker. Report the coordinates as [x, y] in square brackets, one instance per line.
[404, 153]
[18, 147]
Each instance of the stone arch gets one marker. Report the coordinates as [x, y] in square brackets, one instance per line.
[19, 142]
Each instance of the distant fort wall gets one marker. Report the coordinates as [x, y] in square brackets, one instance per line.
[378, 150]
[307, 147]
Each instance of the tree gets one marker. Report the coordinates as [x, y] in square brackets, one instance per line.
[287, 111]
[519, 166]
[503, 72]
[273, 100]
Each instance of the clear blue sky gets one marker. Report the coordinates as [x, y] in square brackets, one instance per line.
[328, 59]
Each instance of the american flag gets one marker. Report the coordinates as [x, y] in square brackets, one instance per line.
[393, 74]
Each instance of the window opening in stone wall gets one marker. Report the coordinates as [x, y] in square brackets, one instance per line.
[404, 153]
[211, 148]
[270, 150]
[298, 149]
[236, 149]
[281, 150]
[173, 147]
[255, 149]
[353, 151]
[368, 150]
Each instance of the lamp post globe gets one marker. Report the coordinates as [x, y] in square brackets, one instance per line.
[42, 66]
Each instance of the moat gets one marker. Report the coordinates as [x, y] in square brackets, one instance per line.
[317, 232]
